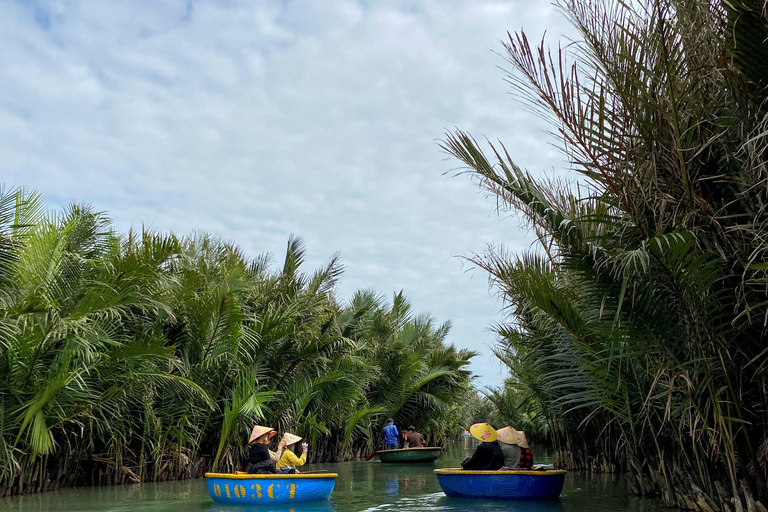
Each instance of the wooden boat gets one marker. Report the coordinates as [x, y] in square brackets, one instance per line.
[426, 454]
[502, 485]
[273, 489]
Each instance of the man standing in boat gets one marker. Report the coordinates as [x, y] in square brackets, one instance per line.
[390, 434]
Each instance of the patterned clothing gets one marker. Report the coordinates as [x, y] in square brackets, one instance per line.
[526, 458]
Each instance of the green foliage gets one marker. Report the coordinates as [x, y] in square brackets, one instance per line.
[639, 329]
[144, 353]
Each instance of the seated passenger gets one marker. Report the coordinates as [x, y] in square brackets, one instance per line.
[414, 439]
[259, 456]
[488, 454]
[288, 458]
[508, 437]
[526, 455]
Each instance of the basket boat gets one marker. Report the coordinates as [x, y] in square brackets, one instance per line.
[256, 489]
[502, 485]
[426, 454]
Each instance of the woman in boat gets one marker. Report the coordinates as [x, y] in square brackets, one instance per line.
[526, 455]
[259, 454]
[488, 454]
[289, 459]
[509, 439]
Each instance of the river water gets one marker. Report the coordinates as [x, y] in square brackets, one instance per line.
[361, 486]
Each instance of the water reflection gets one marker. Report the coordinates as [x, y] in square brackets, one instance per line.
[361, 486]
[309, 506]
[439, 501]
[446, 503]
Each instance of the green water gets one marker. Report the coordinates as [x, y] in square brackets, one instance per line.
[361, 486]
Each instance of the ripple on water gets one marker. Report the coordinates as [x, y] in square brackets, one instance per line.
[439, 501]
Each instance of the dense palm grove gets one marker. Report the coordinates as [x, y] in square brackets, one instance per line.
[639, 327]
[149, 357]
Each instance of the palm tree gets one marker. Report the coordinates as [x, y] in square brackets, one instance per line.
[640, 325]
[150, 357]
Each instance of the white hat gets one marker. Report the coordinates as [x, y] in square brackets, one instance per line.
[290, 438]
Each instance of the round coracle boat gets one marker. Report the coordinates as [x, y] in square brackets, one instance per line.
[271, 488]
[515, 484]
[426, 454]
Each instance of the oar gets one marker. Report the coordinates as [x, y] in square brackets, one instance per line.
[375, 452]
[315, 472]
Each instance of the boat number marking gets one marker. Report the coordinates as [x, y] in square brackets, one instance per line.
[293, 490]
[217, 490]
[239, 491]
[257, 487]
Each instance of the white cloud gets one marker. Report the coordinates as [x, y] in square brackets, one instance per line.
[254, 120]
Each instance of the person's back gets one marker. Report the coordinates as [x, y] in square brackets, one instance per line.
[511, 455]
[487, 457]
[390, 435]
[526, 458]
[415, 440]
[526, 455]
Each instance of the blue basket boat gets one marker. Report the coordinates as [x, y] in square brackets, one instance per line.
[502, 485]
[270, 489]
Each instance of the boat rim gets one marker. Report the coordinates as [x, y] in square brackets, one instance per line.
[268, 476]
[411, 449]
[490, 472]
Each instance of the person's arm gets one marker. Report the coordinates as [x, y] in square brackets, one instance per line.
[279, 453]
[293, 460]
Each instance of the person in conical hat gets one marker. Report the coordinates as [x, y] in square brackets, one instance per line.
[526, 455]
[508, 437]
[289, 458]
[483, 432]
[259, 455]
[259, 432]
[488, 454]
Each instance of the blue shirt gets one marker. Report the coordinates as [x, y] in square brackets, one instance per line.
[390, 434]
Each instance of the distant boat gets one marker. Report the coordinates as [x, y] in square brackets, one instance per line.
[502, 485]
[426, 454]
[270, 488]
[465, 434]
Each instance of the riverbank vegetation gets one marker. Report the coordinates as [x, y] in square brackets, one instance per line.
[639, 327]
[145, 356]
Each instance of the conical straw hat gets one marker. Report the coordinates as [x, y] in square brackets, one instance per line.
[290, 438]
[523, 440]
[483, 432]
[508, 435]
[259, 431]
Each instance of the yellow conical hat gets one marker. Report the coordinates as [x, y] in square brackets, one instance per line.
[483, 432]
[508, 435]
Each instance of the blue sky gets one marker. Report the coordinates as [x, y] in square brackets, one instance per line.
[255, 120]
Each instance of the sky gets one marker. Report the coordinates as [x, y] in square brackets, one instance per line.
[257, 120]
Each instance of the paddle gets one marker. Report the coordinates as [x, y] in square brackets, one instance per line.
[375, 452]
[315, 472]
